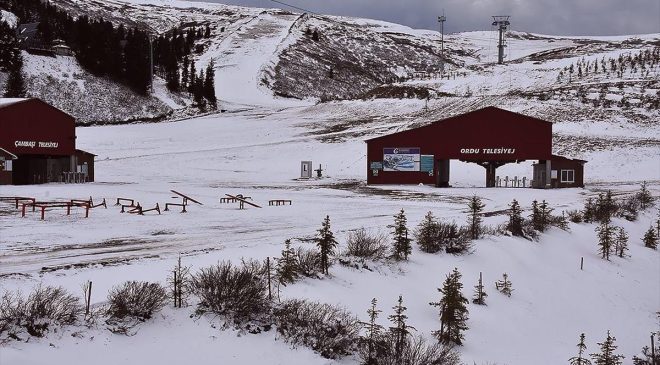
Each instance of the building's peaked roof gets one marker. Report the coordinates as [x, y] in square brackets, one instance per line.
[560, 158]
[493, 110]
[9, 101]
[6, 102]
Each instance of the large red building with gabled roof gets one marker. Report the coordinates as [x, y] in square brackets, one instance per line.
[490, 137]
[39, 144]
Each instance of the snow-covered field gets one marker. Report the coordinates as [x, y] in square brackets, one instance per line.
[257, 153]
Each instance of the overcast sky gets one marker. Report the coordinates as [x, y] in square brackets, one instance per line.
[557, 17]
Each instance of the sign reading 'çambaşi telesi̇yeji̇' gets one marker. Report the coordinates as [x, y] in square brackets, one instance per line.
[33, 144]
[488, 151]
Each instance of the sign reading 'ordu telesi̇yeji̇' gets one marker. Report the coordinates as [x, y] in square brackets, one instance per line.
[488, 151]
[33, 144]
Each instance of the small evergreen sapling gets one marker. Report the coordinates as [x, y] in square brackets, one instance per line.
[579, 359]
[326, 243]
[402, 247]
[605, 239]
[650, 239]
[476, 208]
[607, 355]
[504, 286]
[400, 330]
[515, 225]
[589, 212]
[287, 265]
[644, 197]
[621, 243]
[373, 335]
[453, 310]
[479, 293]
[426, 234]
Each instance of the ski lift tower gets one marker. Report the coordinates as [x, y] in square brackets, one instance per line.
[502, 23]
[441, 20]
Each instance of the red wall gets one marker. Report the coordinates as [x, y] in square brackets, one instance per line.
[35, 121]
[524, 138]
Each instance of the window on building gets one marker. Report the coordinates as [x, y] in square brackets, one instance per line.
[567, 176]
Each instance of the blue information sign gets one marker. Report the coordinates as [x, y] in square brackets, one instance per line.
[426, 163]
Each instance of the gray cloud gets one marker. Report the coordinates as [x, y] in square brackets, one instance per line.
[558, 17]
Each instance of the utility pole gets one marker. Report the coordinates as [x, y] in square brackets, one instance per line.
[151, 65]
[502, 23]
[441, 20]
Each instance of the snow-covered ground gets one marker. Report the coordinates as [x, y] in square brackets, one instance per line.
[255, 149]
[257, 153]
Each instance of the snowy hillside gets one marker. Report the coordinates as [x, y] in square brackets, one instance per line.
[60, 81]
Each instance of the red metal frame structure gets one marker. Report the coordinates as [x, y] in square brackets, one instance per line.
[490, 137]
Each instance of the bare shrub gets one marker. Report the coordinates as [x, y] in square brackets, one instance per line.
[240, 292]
[415, 351]
[309, 262]
[136, 300]
[329, 330]
[363, 244]
[44, 307]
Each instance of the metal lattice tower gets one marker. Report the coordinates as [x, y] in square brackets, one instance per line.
[441, 20]
[502, 23]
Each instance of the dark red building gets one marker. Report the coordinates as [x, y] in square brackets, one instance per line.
[490, 137]
[40, 141]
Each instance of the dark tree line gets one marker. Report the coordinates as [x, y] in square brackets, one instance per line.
[117, 52]
[11, 62]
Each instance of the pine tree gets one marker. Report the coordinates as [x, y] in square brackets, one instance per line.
[209, 85]
[644, 196]
[605, 207]
[544, 216]
[650, 239]
[192, 82]
[621, 243]
[373, 334]
[504, 286]
[607, 355]
[579, 360]
[198, 89]
[9, 51]
[400, 330]
[287, 265]
[589, 212]
[15, 87]
[515, 225]
[184, 72]
[475, 207]
[479, 293]
[426, 234]
[326, 243]
[453, 310]
[605, 239]
[402, 247]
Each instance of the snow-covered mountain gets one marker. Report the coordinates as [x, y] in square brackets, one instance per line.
[280, 58]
